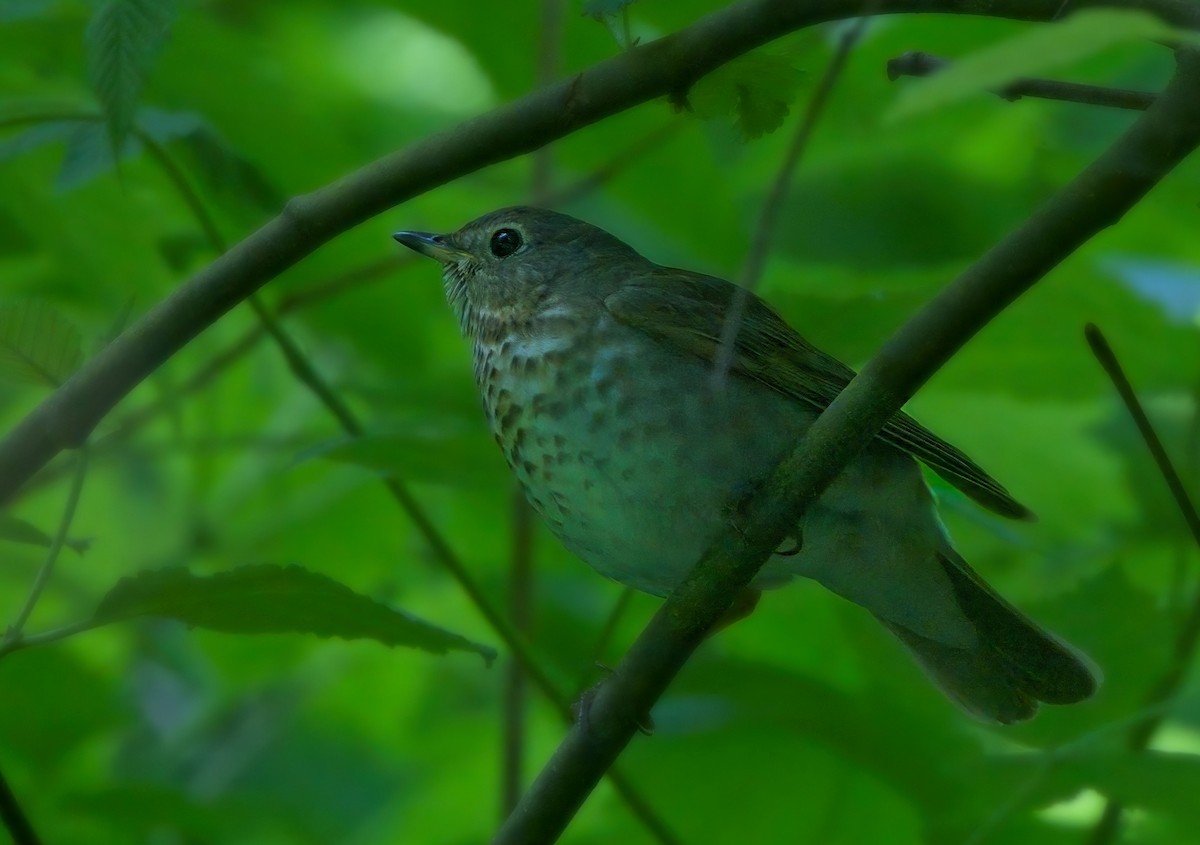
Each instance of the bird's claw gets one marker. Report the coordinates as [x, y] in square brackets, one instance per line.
[582, 706]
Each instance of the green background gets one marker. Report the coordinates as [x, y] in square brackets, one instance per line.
[805, 723]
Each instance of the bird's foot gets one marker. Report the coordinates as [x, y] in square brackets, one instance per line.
[743, 605]
[795, 548]
[582, 706]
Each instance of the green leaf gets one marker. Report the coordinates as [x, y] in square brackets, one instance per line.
[757, 89]
[601, 9]
[265, 599]
[17, 530]
[34, 137]
[218, 163]
[89, 154]
[1042, 48]
[123, 38]
[15, 10]
[37, 344]
[166, 126]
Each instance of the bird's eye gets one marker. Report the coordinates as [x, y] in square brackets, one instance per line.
[505, 242]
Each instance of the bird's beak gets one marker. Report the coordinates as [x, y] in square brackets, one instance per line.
[431, 246]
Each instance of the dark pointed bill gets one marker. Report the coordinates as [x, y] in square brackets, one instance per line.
[430, 245]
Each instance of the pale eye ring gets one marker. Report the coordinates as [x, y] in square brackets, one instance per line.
[505, 242]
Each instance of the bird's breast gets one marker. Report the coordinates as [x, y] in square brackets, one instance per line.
[621, 443]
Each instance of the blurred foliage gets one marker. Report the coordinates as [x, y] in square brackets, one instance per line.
[805, 723]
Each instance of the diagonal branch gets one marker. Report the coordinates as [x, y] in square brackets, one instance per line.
[669, 65]
[1097, 198]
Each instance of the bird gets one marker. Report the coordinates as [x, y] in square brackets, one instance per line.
[595, 368]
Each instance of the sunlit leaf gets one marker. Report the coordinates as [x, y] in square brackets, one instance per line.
[38, 345]
[265, 598]
[1151, 780]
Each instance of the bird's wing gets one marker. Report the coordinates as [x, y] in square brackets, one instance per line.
[687, 310]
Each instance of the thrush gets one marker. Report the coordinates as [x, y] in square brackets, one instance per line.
[595, 366]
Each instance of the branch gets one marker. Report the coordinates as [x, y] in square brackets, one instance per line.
[923, 64]
[1097, 198]
[669, 65]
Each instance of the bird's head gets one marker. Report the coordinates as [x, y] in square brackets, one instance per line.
[516, 263]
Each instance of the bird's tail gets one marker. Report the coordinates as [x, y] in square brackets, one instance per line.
[1015, 664]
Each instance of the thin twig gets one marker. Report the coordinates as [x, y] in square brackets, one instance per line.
[1186, 640]
[916, 63]
[47, 637]
[1108, 360]
[520, 610]
[13, 817]
[14, 632]
[768, 217]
